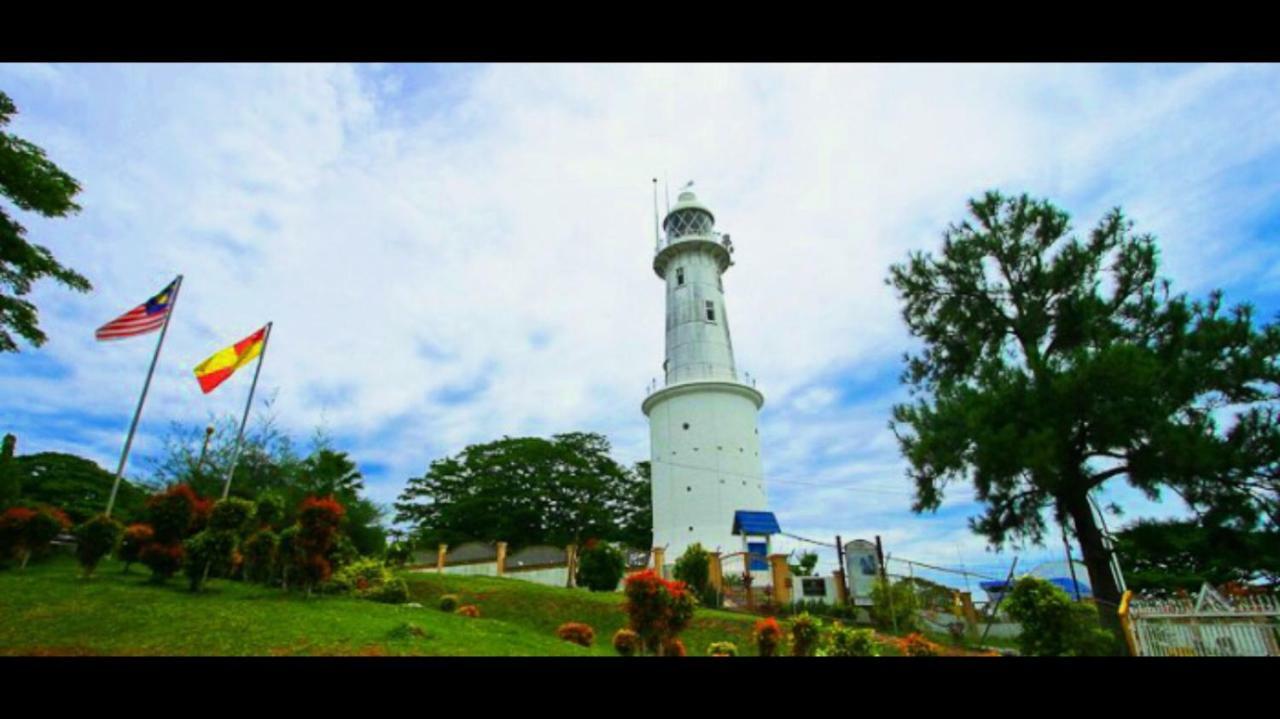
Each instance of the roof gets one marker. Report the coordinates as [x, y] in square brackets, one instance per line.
[745, 522]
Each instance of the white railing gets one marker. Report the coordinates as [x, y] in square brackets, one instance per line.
[1208, 626]
[697, 371]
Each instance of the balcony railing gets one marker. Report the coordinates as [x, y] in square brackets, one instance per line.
[699, 371]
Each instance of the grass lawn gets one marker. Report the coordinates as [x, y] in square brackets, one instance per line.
[49, 610]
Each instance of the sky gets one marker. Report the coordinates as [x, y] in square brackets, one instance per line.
[454, 253]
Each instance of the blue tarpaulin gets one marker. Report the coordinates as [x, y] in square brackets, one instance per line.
[745, 522]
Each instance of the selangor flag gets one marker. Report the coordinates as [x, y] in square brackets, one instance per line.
[222, 363]
[146, 317]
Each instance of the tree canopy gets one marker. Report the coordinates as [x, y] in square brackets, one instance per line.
[1163, 558]
[76, 485]
[526, 490]
[30, 180]
[1052, 364]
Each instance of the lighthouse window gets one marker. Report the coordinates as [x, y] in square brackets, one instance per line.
[711, 311]
[679, 275]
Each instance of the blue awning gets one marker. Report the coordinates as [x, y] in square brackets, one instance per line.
[745, 522]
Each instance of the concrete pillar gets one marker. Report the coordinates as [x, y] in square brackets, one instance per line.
[502, 557]
[781, 579]
[571, 564]
[443, 550]
[659, 558]
[715, 572]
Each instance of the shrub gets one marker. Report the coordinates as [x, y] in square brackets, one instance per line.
[96, 539]
[361, 576]
[673, 648]
[163, 559]
[287, 554]
[577, 633]
[207, 551]
[658, 609]
[448, 602]
[722, 649]
[767, 635]
[393, 591]
[260, 555]
[25, 531]
[915, 645]
[469, 610]
[600, 567]
[268, 511]
[171, 513]
[318, 521]
[694, 569]
[805, 632]
[895, 606]
[845, 641]
[1052, 624]
[626, 642]
[136, 536]
[399, 553]
[231, 515]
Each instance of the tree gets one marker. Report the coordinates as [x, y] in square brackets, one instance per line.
[33, 183]
[636, 530]
[1053, 625]
[78, 485]
[693, 567]
[10, 486]
[1162, 558]
[522, 490]
[804, 566]
[1043, 376]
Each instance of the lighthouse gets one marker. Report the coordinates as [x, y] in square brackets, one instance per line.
[707, 477]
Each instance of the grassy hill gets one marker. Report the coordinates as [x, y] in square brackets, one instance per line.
[49, 610]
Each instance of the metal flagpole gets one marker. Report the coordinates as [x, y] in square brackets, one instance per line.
[137, 413]
[235, 457]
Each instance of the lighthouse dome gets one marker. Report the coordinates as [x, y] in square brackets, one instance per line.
[688, 217]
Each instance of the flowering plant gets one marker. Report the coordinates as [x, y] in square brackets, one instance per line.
[768, 635]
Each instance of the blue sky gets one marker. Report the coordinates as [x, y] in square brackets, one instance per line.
[454, 253]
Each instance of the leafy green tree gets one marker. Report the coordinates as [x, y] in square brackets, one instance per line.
[1053, 625]
[10, 486]
[32, 183]
[804, 566]
[1161, 558]
[895, 606]
[636, 529]
[523, 490]
[600, 567]
[77, 485]
[1053, 364]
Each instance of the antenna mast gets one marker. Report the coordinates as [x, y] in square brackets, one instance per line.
[657, 237]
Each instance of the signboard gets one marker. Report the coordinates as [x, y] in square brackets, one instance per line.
[861, 568]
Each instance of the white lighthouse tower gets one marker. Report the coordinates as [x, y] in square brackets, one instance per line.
[704, 439]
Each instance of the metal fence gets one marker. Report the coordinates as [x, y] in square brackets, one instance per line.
[1208, 626]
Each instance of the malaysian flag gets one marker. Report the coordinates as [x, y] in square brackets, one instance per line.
[146, 317]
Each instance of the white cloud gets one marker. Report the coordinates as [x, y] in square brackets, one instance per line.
[452, 255]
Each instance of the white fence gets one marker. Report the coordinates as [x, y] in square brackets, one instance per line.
[1208, 626]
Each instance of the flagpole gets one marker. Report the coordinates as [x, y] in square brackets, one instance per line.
[137, 413]
[235, 457]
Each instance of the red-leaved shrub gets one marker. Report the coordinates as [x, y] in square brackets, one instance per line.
[768, 635]
[318, 522]
[469, 610]
[658, 609]
[626, 642]
[163, 559]
[673, 648]
[24, 531]
[915, 645]
[136, 536]
[172, 513]
[576, 632]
